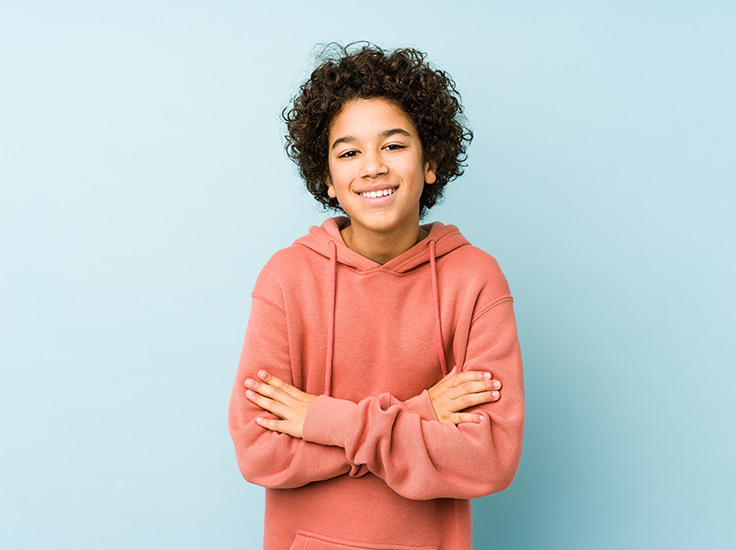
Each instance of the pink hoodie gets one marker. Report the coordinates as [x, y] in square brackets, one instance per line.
[376, 469]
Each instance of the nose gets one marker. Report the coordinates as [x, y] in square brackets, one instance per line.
[373, 165]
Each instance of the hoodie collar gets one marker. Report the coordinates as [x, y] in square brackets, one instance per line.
[446, 239]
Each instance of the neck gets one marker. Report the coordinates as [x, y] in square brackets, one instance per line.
[381, 247]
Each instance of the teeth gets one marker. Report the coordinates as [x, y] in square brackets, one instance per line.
[376, 194]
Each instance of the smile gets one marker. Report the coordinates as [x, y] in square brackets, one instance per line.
[377, 194]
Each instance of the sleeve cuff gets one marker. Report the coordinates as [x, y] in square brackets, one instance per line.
[422, 405]
[330, 421]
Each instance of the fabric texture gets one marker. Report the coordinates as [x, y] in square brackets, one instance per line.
[375, 468]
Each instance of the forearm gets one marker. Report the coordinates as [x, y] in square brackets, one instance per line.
[420, 404]
[276, 460]
[264, 457]
[420, 457]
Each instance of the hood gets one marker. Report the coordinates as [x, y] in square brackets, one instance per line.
[445, 238]
[327, 241]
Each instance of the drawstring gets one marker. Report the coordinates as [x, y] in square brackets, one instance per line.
[331, 322]
[331, 319]
[436, 297]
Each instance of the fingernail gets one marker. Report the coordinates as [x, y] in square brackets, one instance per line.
[496, 385]
[250, 382]
[495, 395]
[261, 374]
[250, 393]
[486, 375]
[480, 418]
[259, 419]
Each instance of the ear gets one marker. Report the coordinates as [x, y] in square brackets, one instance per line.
[430, 176]
[330, 188]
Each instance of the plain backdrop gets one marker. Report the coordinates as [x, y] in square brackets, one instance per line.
[144, 185]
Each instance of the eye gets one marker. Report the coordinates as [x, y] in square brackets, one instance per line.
[394, 146]
[347, 154]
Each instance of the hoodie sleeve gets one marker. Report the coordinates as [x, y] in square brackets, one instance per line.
[269, 458]
[421, 458]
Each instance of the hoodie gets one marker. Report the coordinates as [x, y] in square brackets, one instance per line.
[375, 468]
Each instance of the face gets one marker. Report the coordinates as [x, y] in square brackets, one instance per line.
[377, 169]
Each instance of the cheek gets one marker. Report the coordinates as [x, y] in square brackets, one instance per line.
[340, 178]
[415, 171]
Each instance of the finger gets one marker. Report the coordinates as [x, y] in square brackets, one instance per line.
[276, 382]
[476, 386]
[468, 376]
[473, 399]
[265, 403]
[454, 380]
[271, 424]
[269, 391]
[465, 418]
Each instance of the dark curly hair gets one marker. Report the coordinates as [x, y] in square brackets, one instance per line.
[361, 70]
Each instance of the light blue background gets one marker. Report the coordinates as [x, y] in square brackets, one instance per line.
[144, 184]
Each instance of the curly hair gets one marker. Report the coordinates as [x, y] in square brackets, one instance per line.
[427, 95]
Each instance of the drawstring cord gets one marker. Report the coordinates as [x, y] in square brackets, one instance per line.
[436, 297]
[331, 319]
[331, 323]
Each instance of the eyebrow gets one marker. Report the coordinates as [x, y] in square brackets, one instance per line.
[384, 134]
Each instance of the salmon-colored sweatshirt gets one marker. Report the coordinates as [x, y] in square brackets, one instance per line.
[376, 469]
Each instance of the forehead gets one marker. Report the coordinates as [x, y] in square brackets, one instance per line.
[363, 118]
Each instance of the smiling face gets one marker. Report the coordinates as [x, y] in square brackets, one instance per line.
[377, 169]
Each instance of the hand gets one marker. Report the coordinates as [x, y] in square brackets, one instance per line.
[459, 391]
[283, 400]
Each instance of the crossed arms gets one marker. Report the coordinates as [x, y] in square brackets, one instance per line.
[460, 438]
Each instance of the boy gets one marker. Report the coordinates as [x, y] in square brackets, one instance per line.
[368, 395]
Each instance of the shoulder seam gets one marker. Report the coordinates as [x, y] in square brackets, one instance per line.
[270, 302]
[488, 308]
